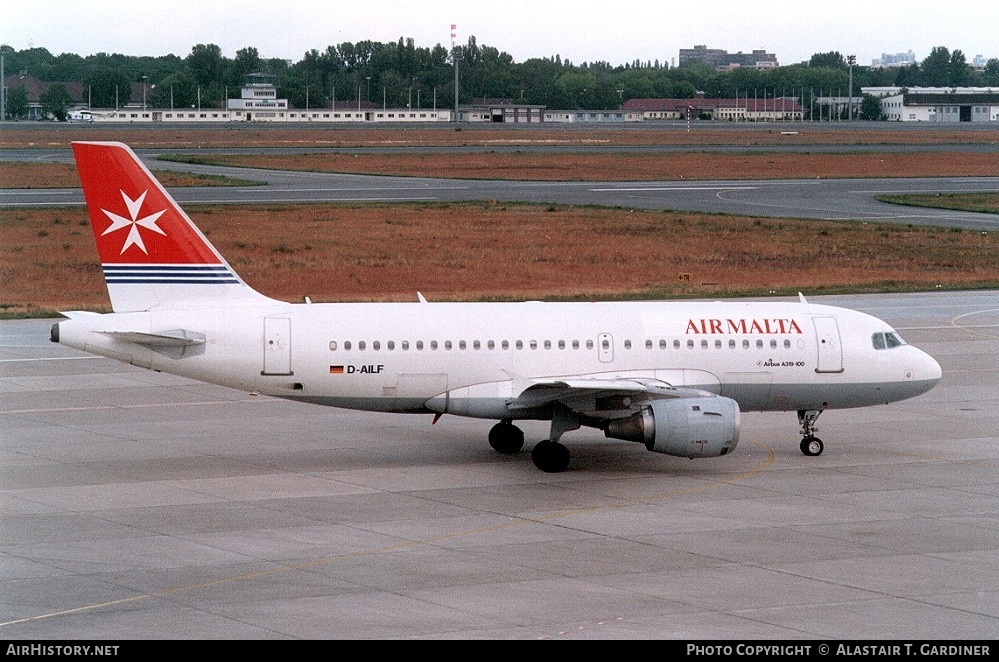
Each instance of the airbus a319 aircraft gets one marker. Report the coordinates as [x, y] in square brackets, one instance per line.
[673, 376]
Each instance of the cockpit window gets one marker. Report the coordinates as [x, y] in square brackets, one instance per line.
[886, 340]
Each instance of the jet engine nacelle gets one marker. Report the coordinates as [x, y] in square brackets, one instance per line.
[686, 427]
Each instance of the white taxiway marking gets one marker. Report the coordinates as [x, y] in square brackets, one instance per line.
[679, 188]
[55, 358]
[149, 405]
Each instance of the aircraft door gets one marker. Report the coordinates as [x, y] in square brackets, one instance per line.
[277, 346]
[830, 351]
[605, 347]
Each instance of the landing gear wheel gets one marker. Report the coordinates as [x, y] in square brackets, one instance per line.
[506, 438]
[550, 457]
[811, 446]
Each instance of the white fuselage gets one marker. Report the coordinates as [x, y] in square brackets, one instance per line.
[473, 358]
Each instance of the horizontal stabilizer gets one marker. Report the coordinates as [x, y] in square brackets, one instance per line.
[77, 314]
[175, 338]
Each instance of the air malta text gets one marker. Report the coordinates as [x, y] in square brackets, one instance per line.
[774, 326]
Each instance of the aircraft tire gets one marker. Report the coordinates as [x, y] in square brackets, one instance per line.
[550, 457]
[506, 438]
[811, 446]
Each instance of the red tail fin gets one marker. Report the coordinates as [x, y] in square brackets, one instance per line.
[151, 252]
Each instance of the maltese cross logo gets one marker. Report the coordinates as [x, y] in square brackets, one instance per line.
[133, 223]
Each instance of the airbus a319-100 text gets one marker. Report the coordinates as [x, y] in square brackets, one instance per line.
[673, 376]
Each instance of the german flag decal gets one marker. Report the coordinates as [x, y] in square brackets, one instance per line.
[336, 369]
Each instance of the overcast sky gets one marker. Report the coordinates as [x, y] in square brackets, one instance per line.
[614, 31]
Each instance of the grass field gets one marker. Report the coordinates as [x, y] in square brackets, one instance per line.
[483, 251]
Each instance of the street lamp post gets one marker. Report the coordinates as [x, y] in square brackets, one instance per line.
[851, 59]
[144, 79]
[369, 88]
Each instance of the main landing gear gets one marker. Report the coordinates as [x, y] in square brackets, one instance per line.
[549, 455]
[810, 444]
[506, 438]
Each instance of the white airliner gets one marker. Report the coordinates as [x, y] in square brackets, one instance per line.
[673, 376]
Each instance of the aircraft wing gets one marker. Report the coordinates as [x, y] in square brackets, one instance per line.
[584, 394]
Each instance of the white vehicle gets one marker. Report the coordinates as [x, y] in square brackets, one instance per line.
[80, 116]
[673, 376]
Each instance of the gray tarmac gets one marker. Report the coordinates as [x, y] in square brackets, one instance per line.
[137, 505]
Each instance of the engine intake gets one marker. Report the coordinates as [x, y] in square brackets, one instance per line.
[685, 427]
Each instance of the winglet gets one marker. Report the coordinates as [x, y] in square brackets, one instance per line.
[518, 383]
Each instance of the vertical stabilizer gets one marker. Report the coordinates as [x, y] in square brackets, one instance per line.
[151, 252]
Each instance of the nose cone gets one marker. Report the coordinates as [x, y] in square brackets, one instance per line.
[926, 374]
[933, 369]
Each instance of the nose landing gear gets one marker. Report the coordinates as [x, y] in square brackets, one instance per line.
[810, 444]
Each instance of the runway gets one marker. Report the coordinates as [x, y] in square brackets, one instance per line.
[820, 199]
[137, 505]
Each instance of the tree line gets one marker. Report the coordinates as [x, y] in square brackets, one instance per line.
[400, 74]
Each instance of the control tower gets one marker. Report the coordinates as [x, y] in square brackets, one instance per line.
[258, 98]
